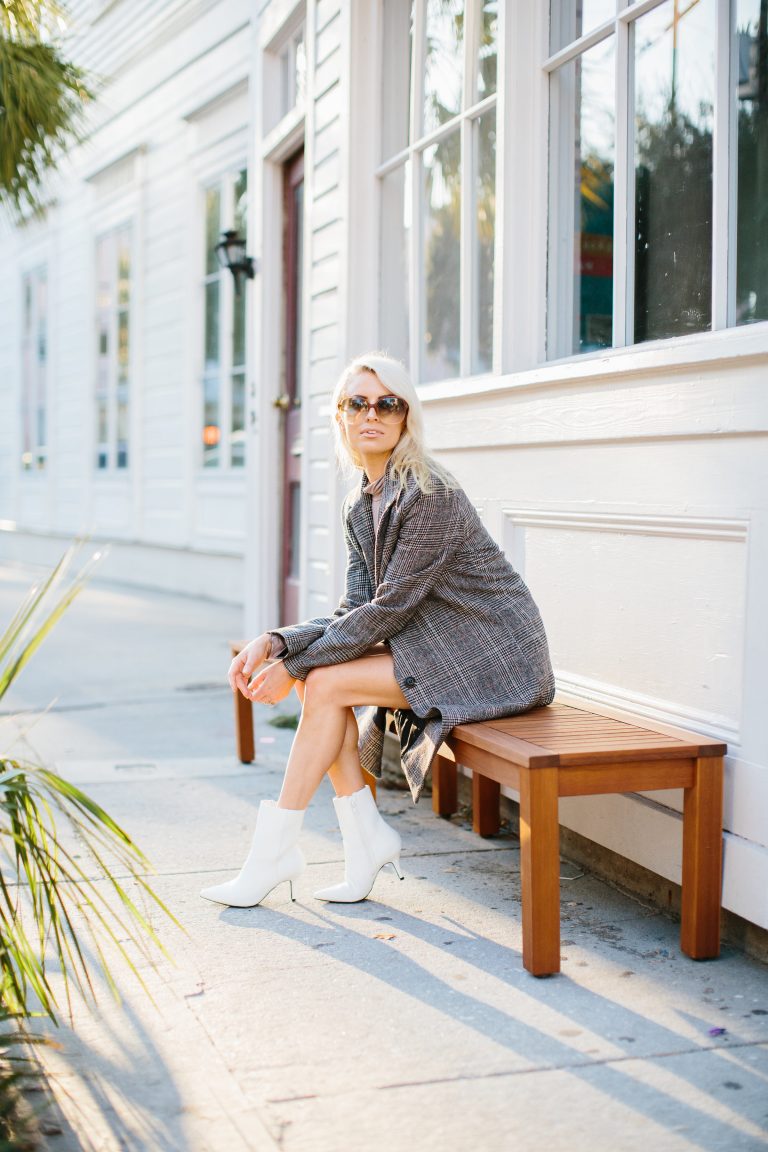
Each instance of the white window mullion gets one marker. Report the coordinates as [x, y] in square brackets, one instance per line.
[113, 355]
[724, 170]
[623, 192]
[416, 170]
[467, 261]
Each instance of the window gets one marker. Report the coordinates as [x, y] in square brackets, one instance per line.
[659, 266]
[113, 347]
[224, 324]
[34, 386]
[438, 185]
[293, 72]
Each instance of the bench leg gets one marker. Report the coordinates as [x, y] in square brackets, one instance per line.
[485, 805]
[370, 781]
[246, 752]
[445, 799]
[540, 870]
[702, 860]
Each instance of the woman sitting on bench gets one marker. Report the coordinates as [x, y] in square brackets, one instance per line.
[435, 627]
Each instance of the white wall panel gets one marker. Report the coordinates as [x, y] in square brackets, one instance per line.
[642, 607]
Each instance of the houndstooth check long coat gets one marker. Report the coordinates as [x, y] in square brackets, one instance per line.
[465, 634]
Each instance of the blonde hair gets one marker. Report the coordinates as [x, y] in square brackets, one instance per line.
[409, 456]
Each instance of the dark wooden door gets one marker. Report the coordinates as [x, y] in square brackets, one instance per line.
[290, 400]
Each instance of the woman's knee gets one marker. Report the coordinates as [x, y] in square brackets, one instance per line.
[319, 690]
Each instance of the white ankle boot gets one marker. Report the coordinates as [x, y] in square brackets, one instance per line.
[274, 857]
[369, 844]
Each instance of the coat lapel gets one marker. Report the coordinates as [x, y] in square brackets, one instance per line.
[384, 543]
[361, 523]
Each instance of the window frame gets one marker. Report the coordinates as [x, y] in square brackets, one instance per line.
[411, 158]
[724, 201]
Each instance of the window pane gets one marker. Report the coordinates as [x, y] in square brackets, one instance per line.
[212, 325]
[123, 267]
[442, 224]
[397, 33]
[211, 426]
[212, 227]
[393, 242]
[444, 66]
[123, 349]
[237, 438]
[238, 327]
[485, 185]
[240, 212]
[570, 19]
[752, 104]
[300, 68]
[489, 32]
[580, 315]
[674, 96]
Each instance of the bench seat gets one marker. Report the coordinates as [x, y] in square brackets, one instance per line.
[569, 749]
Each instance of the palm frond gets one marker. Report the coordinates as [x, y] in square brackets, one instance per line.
[51, 908]
[42, 101]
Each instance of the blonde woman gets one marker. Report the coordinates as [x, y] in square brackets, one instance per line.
[434, 627]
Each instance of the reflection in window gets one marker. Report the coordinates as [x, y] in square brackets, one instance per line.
[397, 46]
[394, 304]
[442, 231]
[293, 72]
[570, 19]
[444, 65]
[674, 98]
[485, 219]
[113, 348]
[34, 391]
[582, 166]
[752, 113]
[224, 329]
[488, 49]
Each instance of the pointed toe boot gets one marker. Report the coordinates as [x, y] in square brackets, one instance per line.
[274, 858]
[369, 844]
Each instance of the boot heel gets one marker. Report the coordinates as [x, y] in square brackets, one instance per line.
[290, 889]
[394, 864]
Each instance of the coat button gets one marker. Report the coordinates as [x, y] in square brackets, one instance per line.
[409, 682]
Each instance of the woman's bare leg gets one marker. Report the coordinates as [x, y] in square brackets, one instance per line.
[345, 773]
[323, 737]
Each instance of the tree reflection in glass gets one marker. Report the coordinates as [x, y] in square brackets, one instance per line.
[444, 64]
[442, 230]
[752, 112]
[674, 98]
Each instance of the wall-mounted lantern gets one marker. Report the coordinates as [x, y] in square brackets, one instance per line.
[231, 253]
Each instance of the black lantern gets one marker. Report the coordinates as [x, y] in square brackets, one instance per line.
[231, 253]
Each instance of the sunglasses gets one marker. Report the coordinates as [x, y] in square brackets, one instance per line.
[389, 409]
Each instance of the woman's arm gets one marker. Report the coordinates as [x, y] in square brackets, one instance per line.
[431, 532]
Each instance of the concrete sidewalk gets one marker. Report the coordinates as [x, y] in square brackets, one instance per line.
[404, 1022]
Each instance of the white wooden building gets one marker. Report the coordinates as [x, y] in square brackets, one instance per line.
[555, 212]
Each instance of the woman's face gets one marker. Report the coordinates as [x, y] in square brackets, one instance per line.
[368, 436]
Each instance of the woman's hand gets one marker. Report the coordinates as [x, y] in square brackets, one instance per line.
[271, 685]
[247, 661]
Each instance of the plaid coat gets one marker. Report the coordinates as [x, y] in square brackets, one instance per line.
[465, 634]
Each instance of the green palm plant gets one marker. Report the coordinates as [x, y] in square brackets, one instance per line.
[42, 99]
[51, 906]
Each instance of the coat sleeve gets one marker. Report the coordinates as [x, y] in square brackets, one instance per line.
[357, 591]
[431, 531]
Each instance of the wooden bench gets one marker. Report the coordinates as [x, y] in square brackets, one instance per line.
[568, 749]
